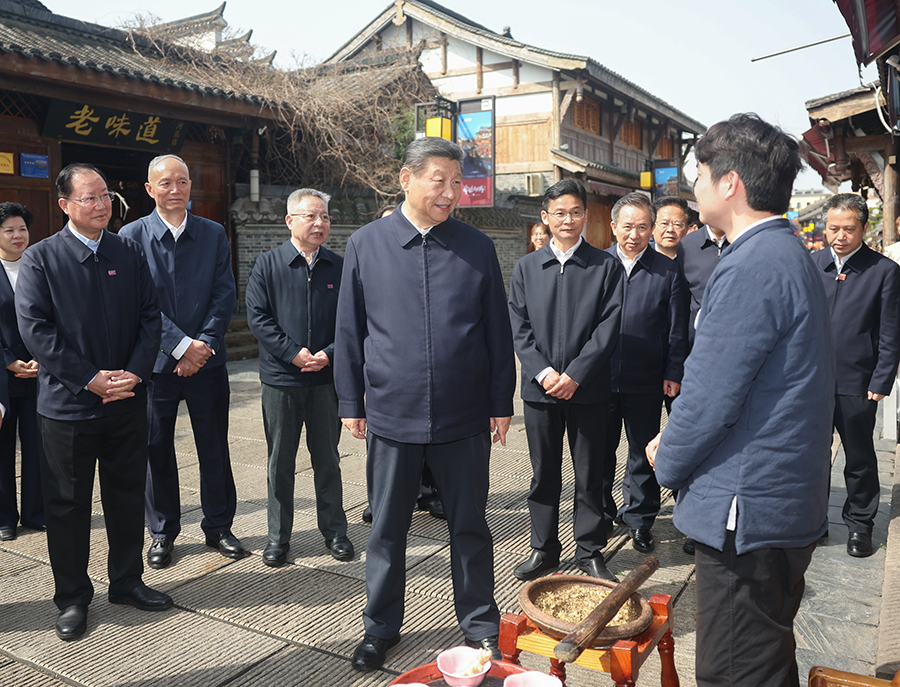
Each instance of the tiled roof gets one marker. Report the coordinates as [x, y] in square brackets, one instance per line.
[38, 34]
[834, 97]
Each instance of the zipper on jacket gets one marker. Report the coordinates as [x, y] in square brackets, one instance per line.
[428, 362]
[103, 310]
[309, 276]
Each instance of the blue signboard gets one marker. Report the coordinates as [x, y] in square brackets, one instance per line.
[34, 166]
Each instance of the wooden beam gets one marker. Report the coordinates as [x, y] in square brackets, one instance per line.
[867, 144]
[890, 199]
[564, 107]
[443, 54]
[846, 107]
[505, 90]
[515, 71]
[409, 33]
[657, 137]
[479, 69]
[617, 126]
[468, 71]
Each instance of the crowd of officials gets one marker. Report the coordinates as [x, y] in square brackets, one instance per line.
[757, 350]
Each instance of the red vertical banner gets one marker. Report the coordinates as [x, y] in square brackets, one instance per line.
[476, 135]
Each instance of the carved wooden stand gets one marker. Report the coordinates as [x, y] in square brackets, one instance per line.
[622, 660]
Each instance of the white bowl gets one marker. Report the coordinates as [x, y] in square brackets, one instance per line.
[453, 660]
[531, 679]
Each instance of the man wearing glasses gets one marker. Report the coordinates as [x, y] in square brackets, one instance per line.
[292, 299]
[565, 302]
[87, 311]
[670, 225]
[190, 260]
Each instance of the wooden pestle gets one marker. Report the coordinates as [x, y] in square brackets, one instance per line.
[570, 648]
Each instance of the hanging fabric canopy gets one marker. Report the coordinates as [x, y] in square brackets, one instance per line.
[874, 24]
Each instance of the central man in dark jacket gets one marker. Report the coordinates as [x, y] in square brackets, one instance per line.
[565, 301]
[424, 361]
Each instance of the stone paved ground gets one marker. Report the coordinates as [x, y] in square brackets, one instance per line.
[241, 623]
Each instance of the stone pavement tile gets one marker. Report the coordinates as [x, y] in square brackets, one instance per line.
[353, 468]
[12, 562]
[303, 667]
[14, 674]
[250, 480]
[506, 490]
[122, 642]
[190, 559]
[832, 567]
[253, 452]
[849, 604]
[242, 427]
[834, 637]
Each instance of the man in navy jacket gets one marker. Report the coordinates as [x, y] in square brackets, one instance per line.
[748, 444]
[88, 313]
[292, 298]
[647, 365]
[700, 251]
[565, 302]
[424, 369]
[863, 291]
[190, 260]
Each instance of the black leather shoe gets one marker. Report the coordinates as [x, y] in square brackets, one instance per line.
[36, 528]
[72, 622]
[859, 545]
[492, 644]
[159, 555]
[276, 554]
[341, 548]
[535, 566]
[595, 567]
[369, 655]
[433, 505]
[226, 544]
[688, 546]
[367, 514]
[143, 598]
[7, 534]
[642, 540]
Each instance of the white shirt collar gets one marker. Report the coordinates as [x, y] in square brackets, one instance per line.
[562, 256]
[838, 262]
[176, 231]
[627, 262]
[718, 240]
[423, 232]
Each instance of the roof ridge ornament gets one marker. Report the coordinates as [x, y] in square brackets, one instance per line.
[399, 16]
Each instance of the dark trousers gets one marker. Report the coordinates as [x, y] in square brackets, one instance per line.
[854, 419]
[640, 490]
[745, 615]
[206, 394]
[545, 425]
[117, 445]
[22, 416]
[286, 409]
[460, 469]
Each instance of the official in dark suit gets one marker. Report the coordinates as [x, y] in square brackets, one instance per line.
[424, 361]
[87, 311]
[292, 299]
[862, 288]
[700, 252]
[190, 261]
[670, 215]
[565, 302]
[647, 365]
[21, 379]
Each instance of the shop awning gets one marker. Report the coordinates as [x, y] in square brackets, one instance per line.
[874, 24]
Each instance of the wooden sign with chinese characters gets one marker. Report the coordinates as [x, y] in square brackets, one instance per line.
[7, 164]
[94, 124]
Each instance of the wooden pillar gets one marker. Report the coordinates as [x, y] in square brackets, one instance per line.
[891, 189]
[443, 53]
[409, 32]
[479, 70]
[515, 73]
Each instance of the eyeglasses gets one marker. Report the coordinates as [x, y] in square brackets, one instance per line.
[91, 200]
[560, 216]
[674, 225]
[311, 217]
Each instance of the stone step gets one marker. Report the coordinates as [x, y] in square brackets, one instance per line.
[242, 338]
[243, 352]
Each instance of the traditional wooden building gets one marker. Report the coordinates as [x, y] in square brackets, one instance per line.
[555, 114]
[74, 91]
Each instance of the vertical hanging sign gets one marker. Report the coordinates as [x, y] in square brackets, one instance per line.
[475, 133]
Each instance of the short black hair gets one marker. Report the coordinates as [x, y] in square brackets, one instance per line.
[636, 200]
[670, 201]
[8, 210]
[694, 218]
[65, 177]
[765, 158]
[417, 153]
[566, 187]
[849, 201]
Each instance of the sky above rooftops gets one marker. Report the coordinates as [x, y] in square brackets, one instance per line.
[693, 54]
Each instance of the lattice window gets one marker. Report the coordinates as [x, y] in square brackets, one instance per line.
[586, 115]
[23, 105]
[666, 148]
[631, 133]
[204, 133]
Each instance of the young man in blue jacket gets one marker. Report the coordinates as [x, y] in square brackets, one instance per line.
[565, 302]
[862, 288]
[292, 297]
[647, 365]
[748, 444]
